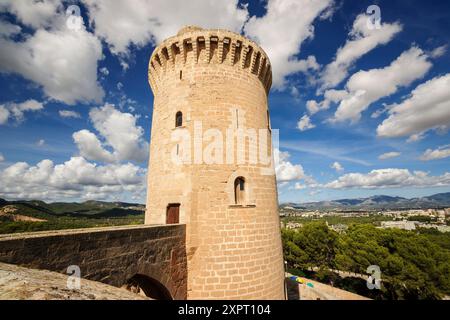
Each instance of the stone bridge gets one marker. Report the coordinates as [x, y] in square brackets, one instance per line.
[149, 257]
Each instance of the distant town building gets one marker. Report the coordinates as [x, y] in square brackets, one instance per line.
[293, 225]
[404, 224]
[339, 227]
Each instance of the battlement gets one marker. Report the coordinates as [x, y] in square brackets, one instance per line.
[193, 45]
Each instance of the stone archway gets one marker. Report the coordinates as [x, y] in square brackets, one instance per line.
[147, 286]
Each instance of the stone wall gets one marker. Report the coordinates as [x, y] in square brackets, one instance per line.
[109, 255]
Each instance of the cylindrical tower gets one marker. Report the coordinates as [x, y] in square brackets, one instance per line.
[208, 168]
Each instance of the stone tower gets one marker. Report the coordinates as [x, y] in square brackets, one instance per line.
[210, 90]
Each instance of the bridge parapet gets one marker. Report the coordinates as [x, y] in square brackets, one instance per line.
[113, 255]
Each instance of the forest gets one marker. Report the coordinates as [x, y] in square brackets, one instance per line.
[414, 264]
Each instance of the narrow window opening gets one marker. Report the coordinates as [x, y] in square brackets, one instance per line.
[181, 74]
[239, 190]
[179, 119]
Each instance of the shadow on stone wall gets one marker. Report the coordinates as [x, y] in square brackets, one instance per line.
[109, 255]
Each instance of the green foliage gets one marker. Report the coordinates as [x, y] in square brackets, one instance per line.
[424, 219]
[69, 215]
[311, 246]
[59, 223]
[414, 265]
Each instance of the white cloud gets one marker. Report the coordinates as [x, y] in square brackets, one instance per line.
[285, 170]
[439, 51]
[427, 107]
[337, 166]
[377, 113]
[90, 146]
[389, 178]
[73, 179]
[281, 32]
[121, 24]
[331, 95]
[17, 110]
[305, 123]
[389, 155]
[104, 71]
[33, 13]
[69, 114]
[366, 87]
[62, 61]
[118, 131]
[4, 114]
[40, 142]
[361, 41]
[416, 137]
[299, 186]
[439, 153]
[7, 29]
[2, 158]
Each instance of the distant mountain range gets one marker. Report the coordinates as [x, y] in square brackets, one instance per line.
[88, 209]
[378, 202]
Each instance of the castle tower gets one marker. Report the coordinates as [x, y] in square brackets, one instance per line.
[210, 87]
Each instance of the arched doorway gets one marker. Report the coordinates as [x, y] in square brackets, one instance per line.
[147, 286]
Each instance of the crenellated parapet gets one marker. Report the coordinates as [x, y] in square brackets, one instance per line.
[196, 46]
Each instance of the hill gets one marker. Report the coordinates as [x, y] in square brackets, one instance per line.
[35, 215]
[439, 200]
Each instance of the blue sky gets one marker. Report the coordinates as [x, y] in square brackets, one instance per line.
[75, 105]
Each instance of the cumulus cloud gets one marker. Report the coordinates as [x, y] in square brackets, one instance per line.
[389, 178]
[69, 114]
[305, 123]
[118, 131]
[90, 146]
[7, 29]
[361, 40]
[121, 24]
[337, 166]
[366, 87]
[62, 61]
[33, 13]
[281, 32]
[389, 155]
[73, 179]
[426, 108]
[439, 153]
[286, 171]
[330, 96]
[17, 110]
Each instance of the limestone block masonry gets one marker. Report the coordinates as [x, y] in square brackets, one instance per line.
[217, 80]
[111, 255]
